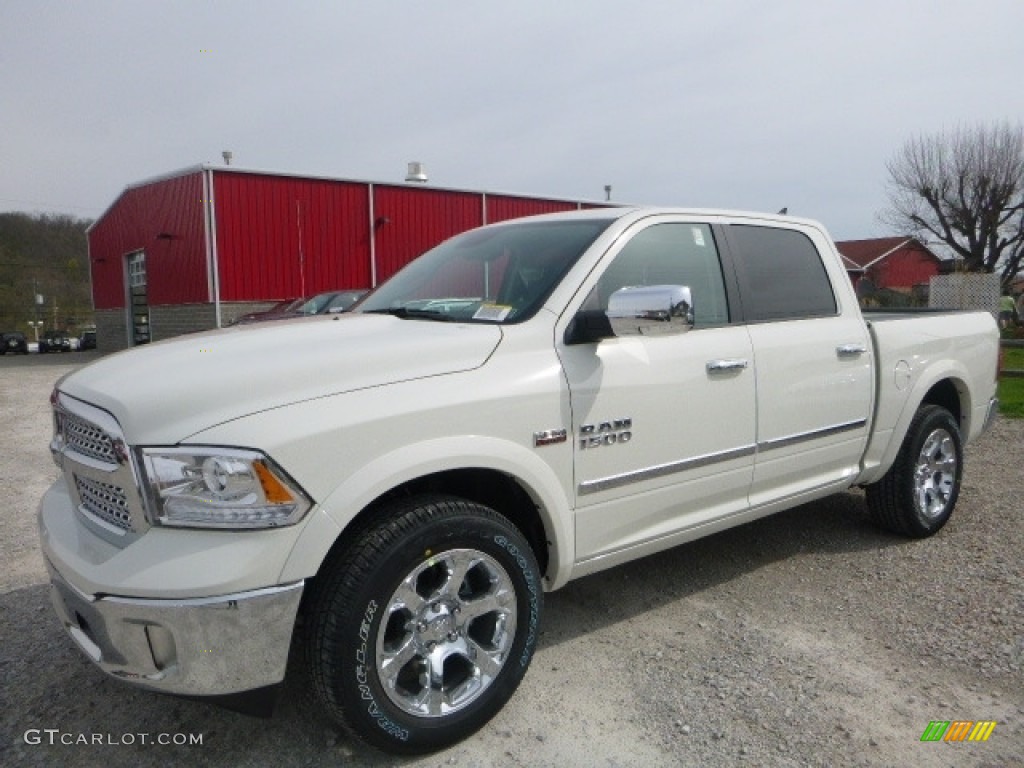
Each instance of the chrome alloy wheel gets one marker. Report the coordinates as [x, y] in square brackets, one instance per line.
[935, 473]
[446, 633]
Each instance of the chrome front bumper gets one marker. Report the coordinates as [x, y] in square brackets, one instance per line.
[211, 646]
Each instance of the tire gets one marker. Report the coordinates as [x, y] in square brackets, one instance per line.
[421, 630]
[918, 493]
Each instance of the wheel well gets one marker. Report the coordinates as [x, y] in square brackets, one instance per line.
[493, 489]
[946, 394]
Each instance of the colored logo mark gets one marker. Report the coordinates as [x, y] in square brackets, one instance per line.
[958, 730]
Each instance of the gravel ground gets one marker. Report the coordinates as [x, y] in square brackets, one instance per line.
[805, 639]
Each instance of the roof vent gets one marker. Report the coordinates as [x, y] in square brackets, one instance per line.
[417, 172]
[226, 154]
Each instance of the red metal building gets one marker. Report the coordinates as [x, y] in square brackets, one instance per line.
[194, 249]
[901, 264]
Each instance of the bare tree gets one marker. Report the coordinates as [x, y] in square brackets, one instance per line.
[964, 188]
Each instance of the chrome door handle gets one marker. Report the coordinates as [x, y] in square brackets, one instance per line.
[735, 364]
[851, 350]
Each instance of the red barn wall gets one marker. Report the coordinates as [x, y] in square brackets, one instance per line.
[904, 269]
[409, 221]
[504, 207]
[175, 263]
[280, 237]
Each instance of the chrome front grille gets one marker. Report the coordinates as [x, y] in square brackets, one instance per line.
[107, 502]
[89, 447]
[87, 438]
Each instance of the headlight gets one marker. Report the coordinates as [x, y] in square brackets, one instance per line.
[219, 488]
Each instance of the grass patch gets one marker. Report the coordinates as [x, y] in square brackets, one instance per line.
[1013, 358]
[1011, 398]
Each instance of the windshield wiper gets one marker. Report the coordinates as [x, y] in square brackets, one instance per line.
[412, 313]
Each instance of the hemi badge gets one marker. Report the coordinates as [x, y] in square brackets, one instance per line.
[549, 437]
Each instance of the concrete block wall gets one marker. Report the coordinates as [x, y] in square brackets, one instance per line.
[111, 330]
[168, 321]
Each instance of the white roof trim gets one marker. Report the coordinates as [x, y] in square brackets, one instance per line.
[403, 184]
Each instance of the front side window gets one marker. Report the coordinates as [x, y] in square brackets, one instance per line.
[670, 254]
[499, 274]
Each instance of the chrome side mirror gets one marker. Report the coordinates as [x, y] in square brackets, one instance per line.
[651, 310]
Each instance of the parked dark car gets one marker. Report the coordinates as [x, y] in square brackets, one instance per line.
[278, 309]
[87, 340]
[329, 302]
[14, 342]
[342, 301]
[54, 341]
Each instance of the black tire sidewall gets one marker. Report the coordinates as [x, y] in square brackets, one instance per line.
[356, 687]
[931, 419]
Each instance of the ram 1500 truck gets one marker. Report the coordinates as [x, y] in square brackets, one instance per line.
[526, 403]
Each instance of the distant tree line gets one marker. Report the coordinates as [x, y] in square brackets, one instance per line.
[44, 255]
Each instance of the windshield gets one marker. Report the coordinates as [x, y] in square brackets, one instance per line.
[499, 274]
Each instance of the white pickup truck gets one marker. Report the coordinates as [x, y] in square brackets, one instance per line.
[527, 403]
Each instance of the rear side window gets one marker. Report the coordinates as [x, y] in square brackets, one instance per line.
[782, 274]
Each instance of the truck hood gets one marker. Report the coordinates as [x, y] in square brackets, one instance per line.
[162, 393]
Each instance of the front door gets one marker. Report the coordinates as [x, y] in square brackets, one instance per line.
[663, 425]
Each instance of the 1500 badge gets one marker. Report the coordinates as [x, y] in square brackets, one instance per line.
[606, 433]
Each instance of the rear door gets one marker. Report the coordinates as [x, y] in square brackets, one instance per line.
[813, 362]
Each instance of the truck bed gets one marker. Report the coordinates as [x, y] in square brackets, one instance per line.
[915, 348]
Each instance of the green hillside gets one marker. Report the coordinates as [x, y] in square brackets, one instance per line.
[47, 255]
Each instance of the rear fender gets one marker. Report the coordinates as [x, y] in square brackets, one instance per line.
[882, 453]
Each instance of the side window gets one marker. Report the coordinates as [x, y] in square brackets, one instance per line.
[782, 273]
[670, 254]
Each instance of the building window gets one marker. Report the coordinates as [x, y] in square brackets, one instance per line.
[137, 270]
[138, 301]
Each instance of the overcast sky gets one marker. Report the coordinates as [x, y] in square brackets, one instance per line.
[751, 105]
